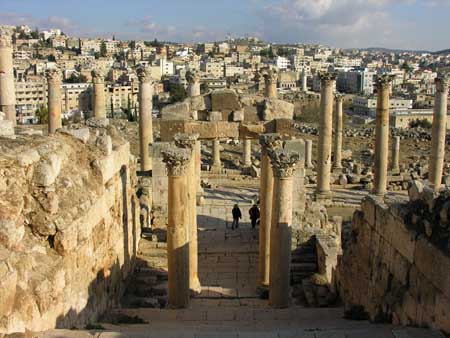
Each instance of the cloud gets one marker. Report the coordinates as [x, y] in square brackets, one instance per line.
[16, 19]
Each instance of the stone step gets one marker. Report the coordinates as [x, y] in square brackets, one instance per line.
[148, 291]
[144, 243]
[147, 271]
[152, 252]
[304, 266]
[304, 258]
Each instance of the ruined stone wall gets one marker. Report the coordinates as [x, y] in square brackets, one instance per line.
[68, 228]
[393, 270]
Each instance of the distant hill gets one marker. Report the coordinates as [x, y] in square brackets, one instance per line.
[445, 51]
[387, 50]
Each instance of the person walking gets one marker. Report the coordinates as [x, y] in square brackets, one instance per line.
[254, 215]
[236, 216]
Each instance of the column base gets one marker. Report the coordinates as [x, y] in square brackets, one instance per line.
[324, 196]
[195, 287]
[216, 169]
[337, 170]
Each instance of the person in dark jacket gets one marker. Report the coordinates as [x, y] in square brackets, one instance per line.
[236, 216]
[254, 215]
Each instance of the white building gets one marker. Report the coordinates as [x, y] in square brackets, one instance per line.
[368, 105]
[282, 63]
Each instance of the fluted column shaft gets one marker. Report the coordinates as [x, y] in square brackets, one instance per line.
[382, 137]
[325, 136]
[54, 101]
[438, 132]
[145, 119]
[395, 165]
[338, 132]
[99, 100]
[281, 236]
[308, 153]
[178, 227]
[7, 89]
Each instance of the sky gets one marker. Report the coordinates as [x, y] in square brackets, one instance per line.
[401, 24]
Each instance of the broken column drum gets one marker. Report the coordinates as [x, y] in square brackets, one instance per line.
[193, 80]
[54, 100]
[271, 81]
[99, 100]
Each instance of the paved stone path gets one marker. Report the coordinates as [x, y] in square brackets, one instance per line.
[228, 305]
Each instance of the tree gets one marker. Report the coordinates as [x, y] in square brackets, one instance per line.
[132, 44]
[103, 50]
[424, 123]
[177, 92]
[35, 34]
[76, 79]
[42, 114]
[51, 58]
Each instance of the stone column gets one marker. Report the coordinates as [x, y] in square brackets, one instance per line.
[323, 190]
[216, 166]
[188, 141]
[271, 79]
[438, 132]
[198, 164]
[66, 101]
[283, 164]
[338, 132]
[7, 89]
[308, 153]
[247, 153]
[395, 165]
[54, 100]
[382, 136]
[304, 81]
[193, 79]
[268, 142]
[99, 100]
[145, 97]
[177, 161]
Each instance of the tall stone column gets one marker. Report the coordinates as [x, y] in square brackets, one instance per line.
[99, 100]
[395, 165]
[198, 164]
[382, 135]
[7, 89]
[216, 166]
[338, 132]
[66, 100]
[54, 100]
[145, 117]
[193, 79]
[186, 141]
[323, 190]
[308, 153]
[438, 132]
[177, 161]
[283, 164]
[247, 153]
[268, 143]
[304, 81]
[271, 79]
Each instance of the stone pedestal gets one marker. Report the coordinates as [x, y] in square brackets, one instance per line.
[216, 166]
[268, 142]
[185, 141]
[247, 153]
[283, 164]
[99, 99]
[193, 79]
[323, 190]
[395, 165]
[271, 81]
[145, 118]
[382, 136]
[308, 154]
[338, 133]
[7, 88]
[54, 100]
[177, 161]
[438, 133]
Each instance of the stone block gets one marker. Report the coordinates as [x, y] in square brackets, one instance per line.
[238, 116]
[368, 208]
[214, 116]
[179, 111]
[197, 103]
[277, 109]
[81, 134]
[225, 100]
[6, 128]
[45, 173]
[404, 240]
[28, 157]
[442, 313]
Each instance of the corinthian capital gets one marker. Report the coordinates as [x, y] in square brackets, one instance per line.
[97, 76]
[270, 76]
[270, 141]
[53, 75]
[176, 160]
[144, 74]
[186, 141]
[283, 162]
[192, 76]
[384, 81]
[442, 82]
[339, 97]
[327, 77]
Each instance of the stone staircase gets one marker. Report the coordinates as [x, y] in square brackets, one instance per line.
[148, 287]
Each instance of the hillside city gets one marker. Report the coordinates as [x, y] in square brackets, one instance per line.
[231, 63]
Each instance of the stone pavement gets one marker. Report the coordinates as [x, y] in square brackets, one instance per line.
[228, 305]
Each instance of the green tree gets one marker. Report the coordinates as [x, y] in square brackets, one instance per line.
[42, 114]
[51, 58]
[35, 34]
[177, 92]
[103, 50]
[132, 44]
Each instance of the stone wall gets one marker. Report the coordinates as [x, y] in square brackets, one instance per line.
[392, 269]
[68, 227]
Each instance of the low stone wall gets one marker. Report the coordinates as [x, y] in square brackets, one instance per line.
[391, 268]
[68, 227]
